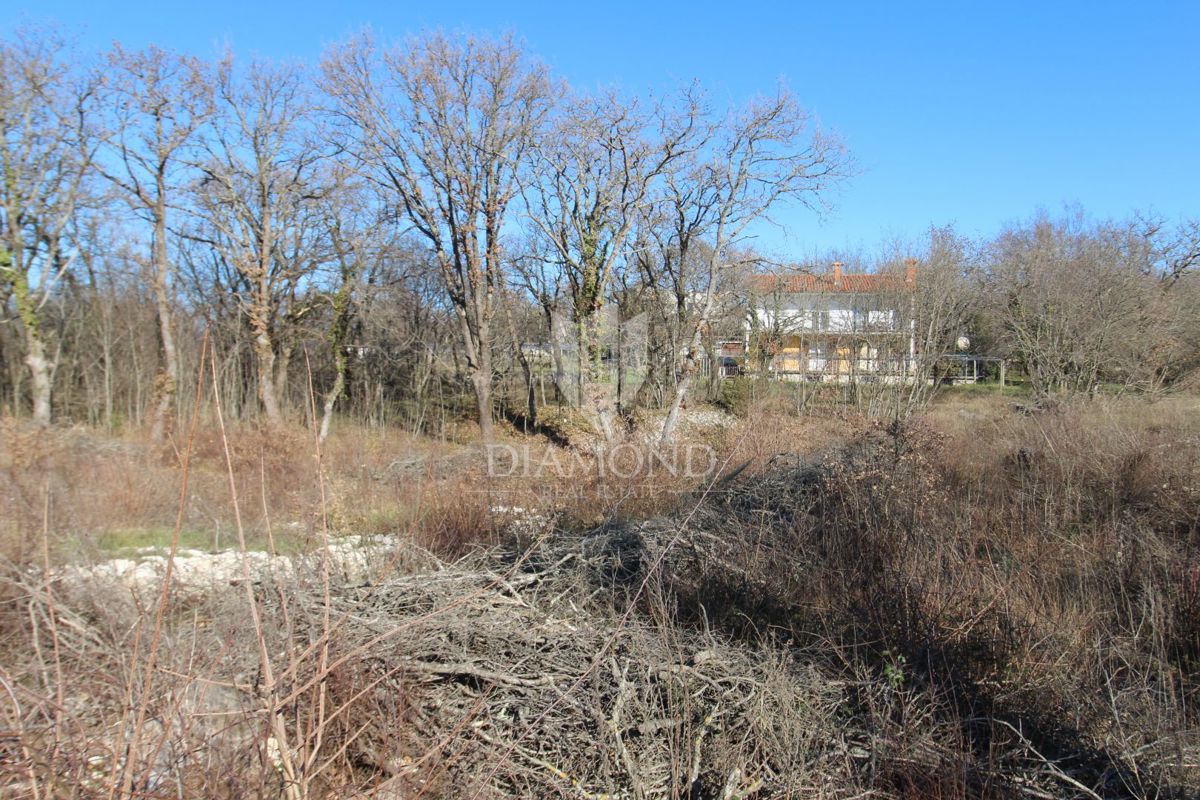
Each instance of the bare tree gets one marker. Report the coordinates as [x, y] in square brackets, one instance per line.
[536, 270]
[1169, 350]
[937, 300]
[159, 101]
[1073, 301]
[590, 179]
[47, 147]
[261, 180]
[358, 241]
[767, 153]
[444, 125]
[1175, 248]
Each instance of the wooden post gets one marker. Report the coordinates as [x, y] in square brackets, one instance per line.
[1002, 364]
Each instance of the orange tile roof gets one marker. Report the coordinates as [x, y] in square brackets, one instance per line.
[805, 283]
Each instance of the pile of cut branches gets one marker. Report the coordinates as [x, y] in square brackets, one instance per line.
[474, 683]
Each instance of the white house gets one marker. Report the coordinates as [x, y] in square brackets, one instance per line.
[836, 326]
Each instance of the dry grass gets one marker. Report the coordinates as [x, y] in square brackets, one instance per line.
[985, 603]
[110, 494]
[1030, 573]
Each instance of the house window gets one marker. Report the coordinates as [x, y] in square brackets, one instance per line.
[882, 320]
[868, 357]
[816, 357]
[840, 319]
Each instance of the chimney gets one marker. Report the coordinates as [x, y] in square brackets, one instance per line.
[910, 272]
[837, 274]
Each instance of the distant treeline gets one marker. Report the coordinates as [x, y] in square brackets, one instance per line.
[389, 233]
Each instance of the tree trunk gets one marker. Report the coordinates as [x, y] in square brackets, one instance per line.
[681, 390]
[168, 377]
[530, 392]
[39, 371]
[526, 367]
[690, 364]
[482, 381]
[331, 397]
[281, 368]
[108, 374]
[264, 357]
[477, 341]
[40, 368]
[599, 406]
[594, 400]
[337, 344]
[560, 366]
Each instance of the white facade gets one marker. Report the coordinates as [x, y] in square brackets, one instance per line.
[833, 319]
[841, 336]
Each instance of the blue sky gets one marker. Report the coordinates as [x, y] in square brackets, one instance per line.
[966, 113]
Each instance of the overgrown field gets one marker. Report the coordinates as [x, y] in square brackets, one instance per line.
[985, 601]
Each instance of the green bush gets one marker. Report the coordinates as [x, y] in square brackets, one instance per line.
[736, 395]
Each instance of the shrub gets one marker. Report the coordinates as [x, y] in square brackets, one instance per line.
[736, 395]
